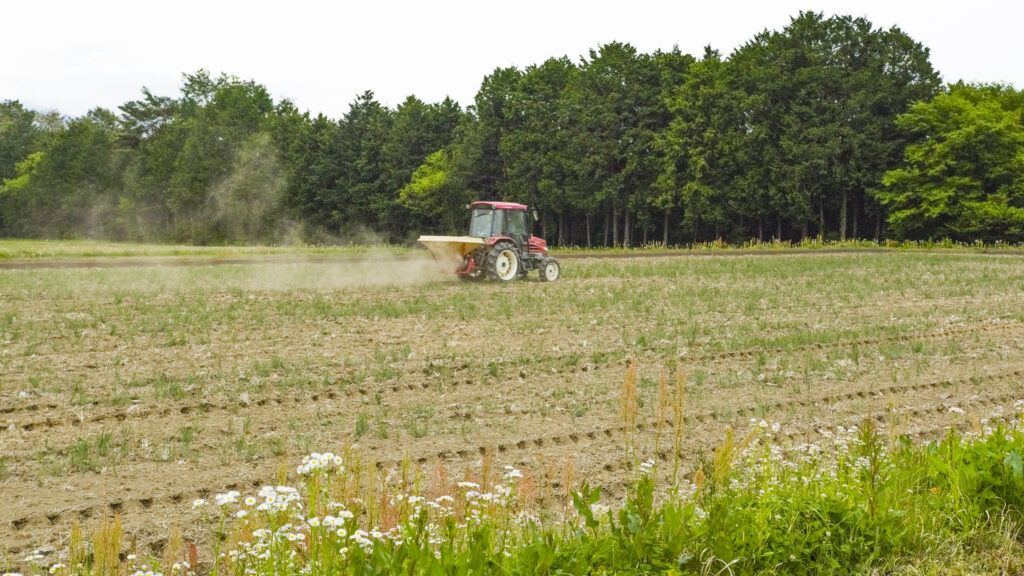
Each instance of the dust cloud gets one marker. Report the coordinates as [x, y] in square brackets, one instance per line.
[180, 277]
[382, 269]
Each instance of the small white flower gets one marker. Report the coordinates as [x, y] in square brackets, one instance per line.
[314, 522]
[956, 410]
[341, 532]
[229, 497]
[197, 503]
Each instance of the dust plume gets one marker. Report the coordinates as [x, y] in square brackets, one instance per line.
[373, 269]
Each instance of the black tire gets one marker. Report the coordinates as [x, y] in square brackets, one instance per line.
[503, 263]
[550, 270]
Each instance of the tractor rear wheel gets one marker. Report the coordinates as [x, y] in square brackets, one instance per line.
[503, 263]
[550, 270]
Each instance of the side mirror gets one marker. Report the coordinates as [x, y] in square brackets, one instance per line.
[535, 218]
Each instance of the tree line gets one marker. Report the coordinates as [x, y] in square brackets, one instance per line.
[829, 127]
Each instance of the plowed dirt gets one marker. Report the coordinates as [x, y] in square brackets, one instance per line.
[136, 389]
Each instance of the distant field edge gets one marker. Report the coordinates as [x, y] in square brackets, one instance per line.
[409, 254]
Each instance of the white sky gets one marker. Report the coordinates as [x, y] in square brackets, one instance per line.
[74, 55]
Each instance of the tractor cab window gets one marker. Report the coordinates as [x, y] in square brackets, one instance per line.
[515, 223]
[481, 224]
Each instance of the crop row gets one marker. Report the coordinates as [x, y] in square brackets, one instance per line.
[397, 387]
[531, 444]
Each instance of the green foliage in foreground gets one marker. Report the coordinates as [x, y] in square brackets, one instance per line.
[858, 502]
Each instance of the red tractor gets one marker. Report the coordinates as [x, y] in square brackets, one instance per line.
[498, 247]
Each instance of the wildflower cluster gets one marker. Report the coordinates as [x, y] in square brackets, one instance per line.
[229, 497]
[316, 462]
[846, 500]
[277, 499]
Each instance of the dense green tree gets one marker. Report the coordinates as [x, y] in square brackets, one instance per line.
[67, 189]
[18, 136]
[141, 119]
[822, 97]
[361, 198]
[674, 69]
[963, 177]
[417, 130]
[434, 193]
[217, 116]
[699, 169]
[533, 146]
[612, 107]
[477, 155]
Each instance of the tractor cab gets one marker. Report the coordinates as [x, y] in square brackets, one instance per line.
[499, 220]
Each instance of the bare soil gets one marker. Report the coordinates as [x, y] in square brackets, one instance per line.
[542, 393]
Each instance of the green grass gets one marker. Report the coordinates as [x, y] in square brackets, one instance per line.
[73, 249]
[859, 502]
[94, 454]
[803, 245]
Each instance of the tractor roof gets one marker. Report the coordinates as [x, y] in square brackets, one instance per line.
[499, 205]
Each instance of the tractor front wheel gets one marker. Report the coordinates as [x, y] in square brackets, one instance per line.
[503, 263]
[550, 270]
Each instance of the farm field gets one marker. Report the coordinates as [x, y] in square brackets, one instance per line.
[136, 389]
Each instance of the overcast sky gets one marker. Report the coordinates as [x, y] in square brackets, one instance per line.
[74, 55]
